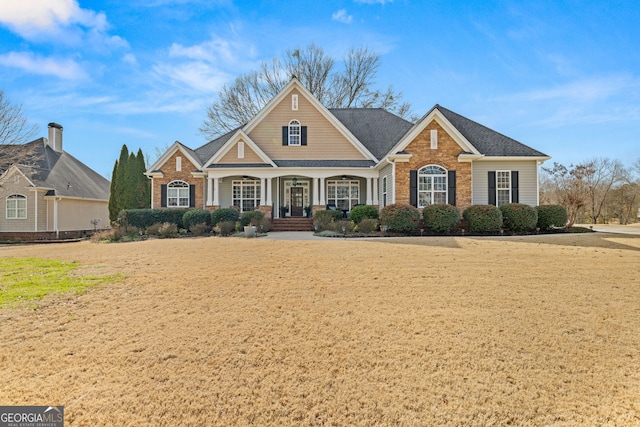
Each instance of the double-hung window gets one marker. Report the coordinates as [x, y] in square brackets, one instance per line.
[294, 132]
[503, 187]
[344, 194]
[432, 186]
[178, 194]
[246, 194]
[16, 207]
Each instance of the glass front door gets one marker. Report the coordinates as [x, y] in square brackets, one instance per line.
[297, 199]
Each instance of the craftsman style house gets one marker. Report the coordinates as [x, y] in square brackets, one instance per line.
[47, 193]
[297, 154]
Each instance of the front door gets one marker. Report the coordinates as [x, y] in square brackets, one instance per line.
[297, 207]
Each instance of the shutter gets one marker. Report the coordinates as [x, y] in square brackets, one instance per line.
[285, 135]
[451, 183]
[192, 196]
[303, 135]
[492, 188]
[413, 188]
[515, 196]
[163, 196]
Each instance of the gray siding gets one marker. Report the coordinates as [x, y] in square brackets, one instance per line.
[388, 172]
[527, 176]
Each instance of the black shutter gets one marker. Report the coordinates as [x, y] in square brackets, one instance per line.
[285, 135]
[303, 135]
[163, 195]
[413, 188]
[492, 188]
[451, 178]
[515, 194]
[192, 196]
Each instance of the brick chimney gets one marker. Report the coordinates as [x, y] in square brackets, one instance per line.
[55, 137]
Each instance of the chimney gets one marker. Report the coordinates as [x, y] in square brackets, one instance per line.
[55, 137]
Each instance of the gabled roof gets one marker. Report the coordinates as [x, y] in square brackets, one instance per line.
[487, 141]
[177, 146]
[235, 139]
[60, 172]
[208, 150]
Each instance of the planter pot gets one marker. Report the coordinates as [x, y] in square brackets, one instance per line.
[250, 231]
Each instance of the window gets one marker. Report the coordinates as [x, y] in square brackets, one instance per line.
[384, 191]
[178, 164]
[432, 186]
[246, 194]
[294, 132]
[503, 187]
[16, 207]
[294, 102]
[344, 194]
[178, 194]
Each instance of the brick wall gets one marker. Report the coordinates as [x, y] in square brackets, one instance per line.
[170, 174]
[446, 155]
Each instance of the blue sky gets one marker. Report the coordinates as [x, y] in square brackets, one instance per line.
[560, 76]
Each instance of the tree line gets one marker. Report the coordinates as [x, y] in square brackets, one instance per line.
[130, 187]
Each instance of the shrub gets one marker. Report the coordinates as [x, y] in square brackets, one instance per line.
[168, 229]
[550, 216]
[339, 225]
[400, 218]
[518, 217]
[225, 228]
[153, 229]
[200, 229]
[264, 225]
[251, 218]
[483, 218]
[323, 220]
[367, 225]
[359, 213]
[143, 218]
[224, 214]
[196, 216]
[441, 218]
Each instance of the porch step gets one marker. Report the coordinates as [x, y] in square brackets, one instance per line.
[292, 224]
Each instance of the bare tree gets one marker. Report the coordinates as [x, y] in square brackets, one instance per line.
[352, 86]
[15, 131]
[569, 188]
[600, 177]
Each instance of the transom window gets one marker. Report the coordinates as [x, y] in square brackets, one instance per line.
[16, 206]
[246, 194]
[432, 186]
[294, 132]
[503, 187]
[344, 194]
[178, 194]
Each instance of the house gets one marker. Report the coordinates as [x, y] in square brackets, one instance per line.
[45, 193]
[296, 153]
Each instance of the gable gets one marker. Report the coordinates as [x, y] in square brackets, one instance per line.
[168, 161]
[241, 152]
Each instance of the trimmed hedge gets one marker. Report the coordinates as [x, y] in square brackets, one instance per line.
[143, 218]
[441, 218]
[550, 216]
[483, 218]
[224, 214]
[251, 217]
[400, 218]
[358, 213]
[518, 217]
[196, 216]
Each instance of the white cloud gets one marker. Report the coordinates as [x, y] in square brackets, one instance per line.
[342, 16]
[33, 64]
[374, 1]
[196, 75]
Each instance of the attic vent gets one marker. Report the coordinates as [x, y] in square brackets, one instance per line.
[294, 102]
[178, 164]
[241, 149]
[434, 139]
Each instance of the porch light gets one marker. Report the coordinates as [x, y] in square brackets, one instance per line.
[295, 182]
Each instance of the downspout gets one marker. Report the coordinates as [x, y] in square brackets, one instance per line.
[35, 213]
[55, 217]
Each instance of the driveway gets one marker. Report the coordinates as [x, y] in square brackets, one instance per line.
[619, 229]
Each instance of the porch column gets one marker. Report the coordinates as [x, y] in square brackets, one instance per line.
[369, 199]
[210, 192]
[216, 191]
[269, 190]
[323, 200]
[316, 196]
[375, 192]
[262, 192]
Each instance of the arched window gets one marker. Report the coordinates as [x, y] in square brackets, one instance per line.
[178, 194]
[432, 186]
[16, 206]
[294, 132]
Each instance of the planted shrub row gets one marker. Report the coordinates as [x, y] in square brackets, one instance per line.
[551, 216]
[143, 218]
[358, 213]
[441, 218]
[400, 218]
[224, 214]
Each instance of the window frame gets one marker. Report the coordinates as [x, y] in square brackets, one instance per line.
[12, 205]
[294, 133]
[179, 187]
[339, 202]
[502, 190]
[240, 190]
[428, 180]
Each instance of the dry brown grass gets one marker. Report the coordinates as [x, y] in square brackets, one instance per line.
[538, 330]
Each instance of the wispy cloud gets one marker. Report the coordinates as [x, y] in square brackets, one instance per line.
[196, 75]
[342, 16]
[374, 1]
[33, 64]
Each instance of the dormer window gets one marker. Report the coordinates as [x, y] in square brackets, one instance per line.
[294, 132]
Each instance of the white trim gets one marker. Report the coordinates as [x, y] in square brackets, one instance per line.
[292, 126]
[434, 139]
[177, 146]
[240, 149]
[16, 208]
[238, 136]
[498, 189]
[294, 102]
[178, 164]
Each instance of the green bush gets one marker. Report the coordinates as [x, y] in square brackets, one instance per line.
[400, 218]
[200, 229]
[225, 228]
[483, 218]
[367, 225]
[168, 229]
[361, 212]
[440, 218]
[518, 217]
[224, 214]
[251, 218]
[551, 216]
[143, 218]
[323, 220]
[196, 216]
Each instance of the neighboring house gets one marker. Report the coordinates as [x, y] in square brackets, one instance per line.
[297, 153]
[46, 192]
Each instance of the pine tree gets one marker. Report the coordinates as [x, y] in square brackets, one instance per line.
[113, 209]
[130, 187]
[143, 193]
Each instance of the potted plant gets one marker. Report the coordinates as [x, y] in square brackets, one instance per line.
[283, 211]
[307, 211]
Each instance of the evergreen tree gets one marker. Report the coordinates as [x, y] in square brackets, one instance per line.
[113, 209]
[143, 193]
[130, 187]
